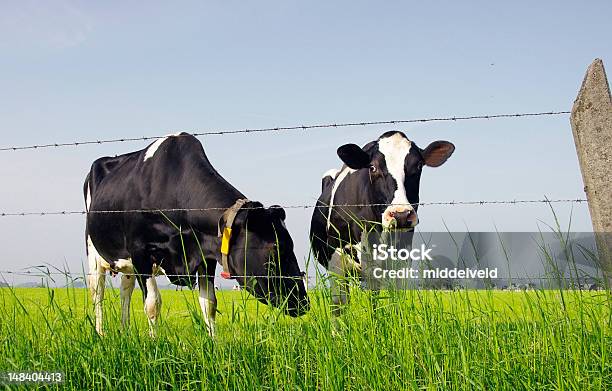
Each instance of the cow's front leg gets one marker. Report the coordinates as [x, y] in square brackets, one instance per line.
[339, 287]
[208, 300]
[126, 289]
[152, 305]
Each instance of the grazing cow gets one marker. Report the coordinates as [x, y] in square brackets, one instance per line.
[251, 242]
[381, 181]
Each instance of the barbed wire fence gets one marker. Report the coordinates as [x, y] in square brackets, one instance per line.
[37, 272]
[286, 128]
[305, 206]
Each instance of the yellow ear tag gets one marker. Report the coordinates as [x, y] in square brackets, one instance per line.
[225, 240]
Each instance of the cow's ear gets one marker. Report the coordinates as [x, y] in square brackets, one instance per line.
[256, 212]
[437, 153]
[277, 212]
[353, 156]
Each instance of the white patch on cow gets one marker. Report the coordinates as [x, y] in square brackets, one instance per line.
[158, 270]
[331, 173]
[88, 199]
[96, 262]
[345, 171]
[395, 149]
[124, 266]
[92, 255]
[155, 146]
[208, 301]
[152, 305]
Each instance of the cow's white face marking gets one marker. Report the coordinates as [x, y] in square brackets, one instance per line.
[395, 149]
[153, 148]
[340, 177]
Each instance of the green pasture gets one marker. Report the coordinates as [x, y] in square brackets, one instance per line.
[401, 340]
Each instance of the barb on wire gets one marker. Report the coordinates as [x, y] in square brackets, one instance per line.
[287, 128]
[168, 210]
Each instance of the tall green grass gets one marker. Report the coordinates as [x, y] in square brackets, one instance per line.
[406, 340]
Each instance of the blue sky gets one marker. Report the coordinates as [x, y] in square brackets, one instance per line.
[74, 70]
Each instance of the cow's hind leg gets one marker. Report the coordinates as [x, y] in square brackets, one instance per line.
[126, 289]
[208, 299]
[152, 301]
[128, 280]
[96, 279]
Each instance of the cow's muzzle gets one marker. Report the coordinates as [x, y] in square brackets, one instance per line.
[400, 217]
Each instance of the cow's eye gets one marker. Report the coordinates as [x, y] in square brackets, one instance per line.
[373, 168]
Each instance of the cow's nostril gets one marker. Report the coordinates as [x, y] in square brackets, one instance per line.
[404, 218]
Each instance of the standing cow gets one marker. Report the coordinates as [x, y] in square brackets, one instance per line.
[381, 181]
[218, 226]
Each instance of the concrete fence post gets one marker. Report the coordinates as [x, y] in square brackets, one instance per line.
[591, 121]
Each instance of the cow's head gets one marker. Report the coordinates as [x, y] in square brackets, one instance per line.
[262, 250]
[390, 171]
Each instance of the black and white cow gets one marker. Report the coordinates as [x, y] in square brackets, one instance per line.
[382, 179]
[174, 173]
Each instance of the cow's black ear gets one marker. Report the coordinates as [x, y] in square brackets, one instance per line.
[353, 156]
[256, 213]
[277, 212]
[437, 153]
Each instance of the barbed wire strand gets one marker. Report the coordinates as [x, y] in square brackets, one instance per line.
[168, 210]
[39, 273]
[79, 276]
[287, 128]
